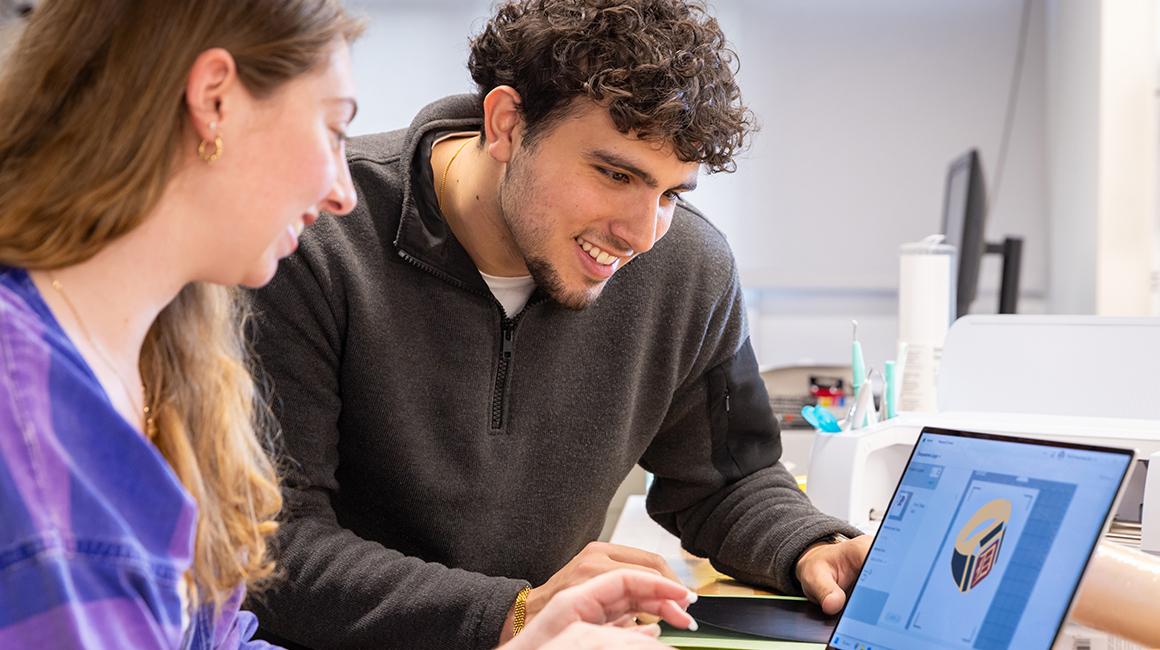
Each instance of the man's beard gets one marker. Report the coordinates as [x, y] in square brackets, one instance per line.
[531, 235]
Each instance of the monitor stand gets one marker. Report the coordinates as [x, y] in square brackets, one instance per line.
[1011, 249]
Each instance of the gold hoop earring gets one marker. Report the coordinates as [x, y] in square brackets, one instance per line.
[210, 157]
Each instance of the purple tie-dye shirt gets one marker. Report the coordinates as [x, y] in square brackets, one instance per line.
[96, 531]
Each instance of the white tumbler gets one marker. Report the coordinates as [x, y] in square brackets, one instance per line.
[926, 300]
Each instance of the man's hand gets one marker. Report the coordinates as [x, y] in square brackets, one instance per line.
[596, 559]
[826, 570]
[598, 613]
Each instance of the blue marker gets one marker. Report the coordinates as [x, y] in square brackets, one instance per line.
[821, 419]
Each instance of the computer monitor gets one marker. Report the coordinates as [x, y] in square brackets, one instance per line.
[964, 217]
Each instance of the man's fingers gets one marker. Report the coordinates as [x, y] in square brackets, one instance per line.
[819, 585]
[826, 571]
[597, 567]
[834, 601]
[856, 550]
[630, 555]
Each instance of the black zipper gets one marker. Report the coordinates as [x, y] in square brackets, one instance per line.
[507, 333]
[498, 402]
[506, 337]
[440, 274]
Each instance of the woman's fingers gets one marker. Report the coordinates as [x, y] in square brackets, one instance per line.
[628, 592]
[652, 630]
[628, 620]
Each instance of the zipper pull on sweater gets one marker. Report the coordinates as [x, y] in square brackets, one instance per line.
[508, 330]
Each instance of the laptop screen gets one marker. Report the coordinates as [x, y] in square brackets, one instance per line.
[983, 544]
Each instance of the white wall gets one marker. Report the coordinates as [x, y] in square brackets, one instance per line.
[1102, 155]
[863, 104]
[1073, 152]
[412, 53]
[1127, 157]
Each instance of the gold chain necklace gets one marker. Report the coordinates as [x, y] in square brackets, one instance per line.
[150, 426]
[447, 169]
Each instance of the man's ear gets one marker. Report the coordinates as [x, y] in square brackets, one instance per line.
[213, 74]
[503, 122]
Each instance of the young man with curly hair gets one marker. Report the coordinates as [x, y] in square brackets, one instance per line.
[523, 307]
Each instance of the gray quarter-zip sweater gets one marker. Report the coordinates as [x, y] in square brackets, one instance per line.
[443, 455]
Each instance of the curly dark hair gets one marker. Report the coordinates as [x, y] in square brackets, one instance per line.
[661, 67]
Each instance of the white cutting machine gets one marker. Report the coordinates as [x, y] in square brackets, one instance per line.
[1085, 379]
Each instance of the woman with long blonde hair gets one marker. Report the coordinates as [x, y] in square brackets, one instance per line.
[155, 155]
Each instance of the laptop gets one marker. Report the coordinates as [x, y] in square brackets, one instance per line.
[983, 544]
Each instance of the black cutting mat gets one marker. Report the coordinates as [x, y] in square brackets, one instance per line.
[772, 618]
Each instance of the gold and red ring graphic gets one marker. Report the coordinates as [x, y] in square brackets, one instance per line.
[978, 543]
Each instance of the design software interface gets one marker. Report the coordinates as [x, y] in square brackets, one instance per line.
[982, 547]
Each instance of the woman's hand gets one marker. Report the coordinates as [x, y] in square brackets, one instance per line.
[599, 613]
